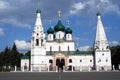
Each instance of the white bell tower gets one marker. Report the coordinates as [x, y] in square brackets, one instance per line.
[101, 47]
[38, 51]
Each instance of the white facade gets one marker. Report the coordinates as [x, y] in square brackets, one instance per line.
[102, 51]
[25, 64]
[58, 51]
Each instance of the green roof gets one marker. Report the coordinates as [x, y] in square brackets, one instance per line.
[98, 13]
[68, 30]
[25, 57]
[59, 26]
[38, 11]
[50, 30]
[70, 52]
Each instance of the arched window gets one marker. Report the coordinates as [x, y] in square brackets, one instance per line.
[41, 42]
[50, 48]
[59, 48]
[37, 42]
[68, 35]
[50, 61]
[80, 60]
[68, 48]
[90, 60]
[70, 60]
[59, 36]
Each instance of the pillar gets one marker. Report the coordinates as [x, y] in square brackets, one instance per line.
[15, 68]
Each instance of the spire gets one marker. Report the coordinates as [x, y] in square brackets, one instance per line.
[68, 23]
[38, 18]
[98, 11]
[100, 38]
[59, 15]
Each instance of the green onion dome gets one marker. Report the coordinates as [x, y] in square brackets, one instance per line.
[68, 30]
[50, 30]
[38, 11]
[59, 27]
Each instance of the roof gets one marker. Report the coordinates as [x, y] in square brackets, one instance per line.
[59, 26]
[71, 52]
[68, 30]
[38, 11]
[25, 57]
[50, 30]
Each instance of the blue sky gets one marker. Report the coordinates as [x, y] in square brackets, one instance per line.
[17, 18]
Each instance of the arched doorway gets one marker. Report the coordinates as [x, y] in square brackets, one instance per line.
[60, 63]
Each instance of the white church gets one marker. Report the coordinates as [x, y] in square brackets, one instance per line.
[58, 52]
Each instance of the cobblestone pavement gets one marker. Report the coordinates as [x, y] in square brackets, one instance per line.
[60, 76]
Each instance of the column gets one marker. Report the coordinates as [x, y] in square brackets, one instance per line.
[72, 67]
[15, 68]
[80, 68]
[40, 69]
[48, 68]
[97, 68]
[56, 69]
[89, 68]
[113, 67]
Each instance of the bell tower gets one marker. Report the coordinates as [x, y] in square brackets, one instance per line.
[38, 51]
[101, 47]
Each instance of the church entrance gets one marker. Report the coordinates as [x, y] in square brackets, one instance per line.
[60, 63]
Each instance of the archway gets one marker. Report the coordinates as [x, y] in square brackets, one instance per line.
[60, 63]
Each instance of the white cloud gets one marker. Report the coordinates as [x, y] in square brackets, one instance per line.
[76, 7]
[5, 5]
[90, 6]
[114, 43]
[85, 48]
[1, 32]
[16, 23]
[22, 45]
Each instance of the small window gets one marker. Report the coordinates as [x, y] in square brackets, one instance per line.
[59, 48]
[50, 48]
[90, 60]
[59, 36]
[99, 60]
[70, 60]
[102, 54]
[37, 34]
[80, 60]
[106, 60]
[37, 42]
[68, 48]
[68, 35]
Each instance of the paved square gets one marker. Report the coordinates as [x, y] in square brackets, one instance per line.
[60, 76]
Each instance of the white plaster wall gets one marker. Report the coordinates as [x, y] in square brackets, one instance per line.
[23, 62]
[63, 45]
[48, 58]
[101, 57]
[50, 37]
[59, 33]
[85, 60]
[38, 51]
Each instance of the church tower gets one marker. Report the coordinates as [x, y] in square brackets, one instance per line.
[59, 28]
[38, 51]
[68, 32]
[101, 47]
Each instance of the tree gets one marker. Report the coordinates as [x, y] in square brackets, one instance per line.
[28, 53]
[115, 50]
[15, 56]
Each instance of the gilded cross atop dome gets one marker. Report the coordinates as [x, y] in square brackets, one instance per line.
[59, 14]
[68, 23]
[98, 10]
